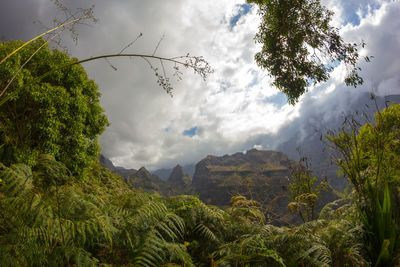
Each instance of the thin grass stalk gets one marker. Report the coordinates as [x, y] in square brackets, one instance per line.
[143, 56]
[40, 35]
[23, 65]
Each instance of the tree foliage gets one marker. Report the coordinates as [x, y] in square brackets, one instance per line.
[299, 45]
[246, 211]
[60, 115]
[304, 189]
[50, 219]
[370, 158]
[50, 120]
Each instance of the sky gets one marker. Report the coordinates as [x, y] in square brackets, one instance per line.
[236, 108]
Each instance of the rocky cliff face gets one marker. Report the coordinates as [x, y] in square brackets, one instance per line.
[143, 180]
[164, 173]
[106, 163]
[179, 182]
[216, 179]
[260, 175]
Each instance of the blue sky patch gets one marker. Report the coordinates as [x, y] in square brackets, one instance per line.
[255, 78]
[253, 82]
[243, 10]
[332, 64]
[190, 132]
[351, 9]
[352, 19]
[224, 86]
[278, 100]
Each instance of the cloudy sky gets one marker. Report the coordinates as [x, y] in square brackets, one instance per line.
[235, 109]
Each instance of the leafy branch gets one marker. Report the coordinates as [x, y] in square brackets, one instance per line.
[299, 46]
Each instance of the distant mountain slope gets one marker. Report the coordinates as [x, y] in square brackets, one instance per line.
[216, 179]
[106, 163]
[166, 172]
[162, 173]
[260, 175]
[176, 183]
[179, 182]
[141, 179]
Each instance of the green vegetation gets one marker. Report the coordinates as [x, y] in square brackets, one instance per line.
[50, 219]
[60, 115]
[370, 160]
[304, 192]
[299, 44]
[50, 216]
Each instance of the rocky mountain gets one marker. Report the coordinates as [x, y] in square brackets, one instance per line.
[179, 182]
[166, 172]
[106, 163]
[163, 173]
[260, 175]
[216, 179]
[141, 179]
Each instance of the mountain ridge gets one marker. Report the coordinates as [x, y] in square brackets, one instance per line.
[262, 175]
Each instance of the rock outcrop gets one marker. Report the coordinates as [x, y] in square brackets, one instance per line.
[254, 174]
[143, 180]
[106, 163]
[260, 175]
[179, 182]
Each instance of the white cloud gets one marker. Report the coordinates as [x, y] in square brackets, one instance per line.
[229, 109]
[226, 109]
[232, 110]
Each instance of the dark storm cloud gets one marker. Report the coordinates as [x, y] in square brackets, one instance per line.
[17, 17]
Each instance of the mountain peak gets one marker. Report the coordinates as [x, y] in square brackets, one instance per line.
[106, 163]
[176, 175]
[143, 173]
[178, 166]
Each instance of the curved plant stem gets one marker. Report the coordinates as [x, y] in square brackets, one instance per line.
[202, 70]
[23, 65]
[40, 35]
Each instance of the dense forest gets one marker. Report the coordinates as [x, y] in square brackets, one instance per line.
[60, 207]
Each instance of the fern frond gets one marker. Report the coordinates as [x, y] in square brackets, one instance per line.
[204, 232]
[318, 255]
